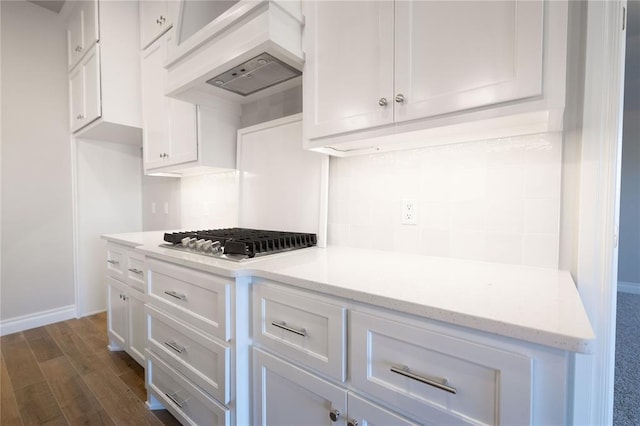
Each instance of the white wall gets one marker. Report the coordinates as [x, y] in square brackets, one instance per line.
[495, 201]
[156, 192]
[37, 259]
[210, 201]
[109, 178]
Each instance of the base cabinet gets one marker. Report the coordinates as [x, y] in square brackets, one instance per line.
[189, 350]
[126, 323]
[185, 401]
[286, 394]
[255, 351]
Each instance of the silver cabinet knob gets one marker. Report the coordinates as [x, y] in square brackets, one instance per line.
[383, 102]
[158, 22]
[78, 48]
[352, 422]
[400, 98]
[334, 415]
[80, 117]
[162, 20]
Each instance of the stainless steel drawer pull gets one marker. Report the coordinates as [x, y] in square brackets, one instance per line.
[173, 399]
[431, 381]
[176, 347]
[135, 271]
[283, 325]
[176, 295]
[113, 262]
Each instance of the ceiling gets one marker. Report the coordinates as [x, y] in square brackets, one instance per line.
[53, 5]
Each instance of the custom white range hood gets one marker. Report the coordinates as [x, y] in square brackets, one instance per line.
[251, 50]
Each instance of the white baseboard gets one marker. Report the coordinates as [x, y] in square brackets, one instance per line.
[627, 287]
[86, 314]
[38, 319]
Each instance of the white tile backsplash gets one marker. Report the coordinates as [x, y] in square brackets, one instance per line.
[210, 201]
[495, 200]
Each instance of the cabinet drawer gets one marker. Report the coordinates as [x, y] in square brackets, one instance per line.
[115, 261]
[402, 365]
[185, 401]
[135, 270]
[306, 328]
[198, 357]
[200, 299]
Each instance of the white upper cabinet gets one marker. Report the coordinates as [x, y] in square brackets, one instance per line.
[349, 66]
[179, 137]
[379, 69]
[82, 31]
[453, 56]
[156, 17]
[84, 90]
[105, 84]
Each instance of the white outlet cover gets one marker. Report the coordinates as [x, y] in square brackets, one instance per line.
[409, 211]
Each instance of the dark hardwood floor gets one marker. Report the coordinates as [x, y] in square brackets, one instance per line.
[63, 374]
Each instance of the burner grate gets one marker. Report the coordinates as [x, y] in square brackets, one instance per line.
[247, 242]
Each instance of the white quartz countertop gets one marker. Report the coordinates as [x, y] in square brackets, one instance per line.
[532, 304]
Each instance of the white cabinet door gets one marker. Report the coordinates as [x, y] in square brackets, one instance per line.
[117, 321]
[288, 395]
[154, 21]
[183, 133]
[454, 56]
[84, 90]
[366, 413]
[93, 104]
[155, 125]
[82, 30]
[169, 125]
[76, 98]
[349, 66]
[137, 332]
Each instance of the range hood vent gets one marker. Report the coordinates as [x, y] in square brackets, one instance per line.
[251, 51]
[254, 75]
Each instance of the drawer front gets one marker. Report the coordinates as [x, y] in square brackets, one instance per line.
[135, 270]
[189, 404]
[306, 328]
[438, 377]
[201, 359]
[200, 299]
[116, 261]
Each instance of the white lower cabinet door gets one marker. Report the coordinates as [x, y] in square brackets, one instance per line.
[366, 413]
[287, 395]
[137, 326]
[116, 315]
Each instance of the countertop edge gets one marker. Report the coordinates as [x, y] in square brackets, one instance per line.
[579, 344]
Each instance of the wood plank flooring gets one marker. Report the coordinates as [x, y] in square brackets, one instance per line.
[63, 374]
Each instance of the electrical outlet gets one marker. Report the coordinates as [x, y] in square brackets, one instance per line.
[409, 211]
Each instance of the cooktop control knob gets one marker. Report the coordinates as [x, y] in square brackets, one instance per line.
[185, 241]
[192, 243]
[206, 246]
[199, 245]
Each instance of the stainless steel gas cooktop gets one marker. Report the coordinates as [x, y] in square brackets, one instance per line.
[238, 244]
